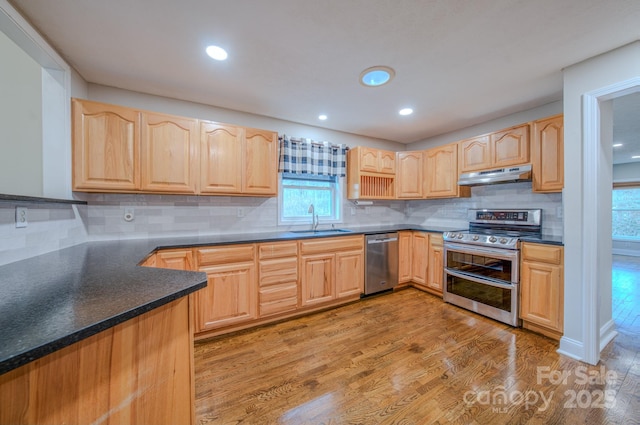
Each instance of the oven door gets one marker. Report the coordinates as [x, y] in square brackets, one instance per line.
[484, 280]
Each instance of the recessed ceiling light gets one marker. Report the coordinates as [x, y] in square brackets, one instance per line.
[322, 117]
[617, 145]
[376, 76]
[217, 53]
[635, 157]
[406, 111]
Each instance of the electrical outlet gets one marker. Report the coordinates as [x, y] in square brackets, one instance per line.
[129, 214]
[240, 212]
[353, 210]
[559, 212]
[21, 217]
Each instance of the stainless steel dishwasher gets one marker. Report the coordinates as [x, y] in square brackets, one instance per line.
[381, 260]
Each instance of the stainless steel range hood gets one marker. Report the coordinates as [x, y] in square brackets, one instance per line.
[521, 173]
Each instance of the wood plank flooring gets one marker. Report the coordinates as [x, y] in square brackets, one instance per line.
[408, 358]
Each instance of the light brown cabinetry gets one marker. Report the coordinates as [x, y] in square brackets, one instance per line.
[236, 160]
[230, 295]
[176, 259]
[117, 149]
[547, 154]
[435, 275]
[542, 288]
[500, 149]
[441, 173]
[169, 153]
[409, 175]
[106, 147]
[138, 372]
[404, 256]
[278, 278]
[331, 268]
[370, 173]
[420, 260]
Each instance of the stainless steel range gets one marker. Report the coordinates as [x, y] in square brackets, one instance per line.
[481, 265]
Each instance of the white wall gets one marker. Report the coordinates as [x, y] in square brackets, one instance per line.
[489, 126]
[197, 110]
[596, 73]
[629, 172]
[20, 121]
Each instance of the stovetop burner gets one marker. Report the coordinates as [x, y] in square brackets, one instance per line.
[498, 228]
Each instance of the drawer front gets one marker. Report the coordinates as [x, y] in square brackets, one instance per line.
[277, 250]
[544, 253]
[278, 299]
[279, 270]
[349, 243]
[225, 254]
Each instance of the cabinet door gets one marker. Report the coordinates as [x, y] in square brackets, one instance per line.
[317, 278]
[260, 169]
[179, 259]
[349, 273]
[420, 260]
[404, 257]
[441, 172]
[409, 175]
[547, 154]
[541, 294]
[387, 162]
[169, 153]
[436, 264]
[229, 298]
[510, 147]
[474, 154]
[106, 147]
[368, 159]
[220, 158]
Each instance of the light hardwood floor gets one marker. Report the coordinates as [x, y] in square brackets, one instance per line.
[408, 358]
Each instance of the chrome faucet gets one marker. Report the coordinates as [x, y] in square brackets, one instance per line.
[314, 217]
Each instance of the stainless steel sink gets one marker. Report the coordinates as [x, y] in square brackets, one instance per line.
[321, 232]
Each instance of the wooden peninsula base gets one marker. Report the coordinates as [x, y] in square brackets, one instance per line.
[137, 372]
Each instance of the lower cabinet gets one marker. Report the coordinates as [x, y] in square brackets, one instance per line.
[427, 262]
[331, 268]
[542, 288]
[230, 295]
[404, 257]
[278, 278]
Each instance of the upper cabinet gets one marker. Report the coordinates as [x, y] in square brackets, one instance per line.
[370, 173]
[501, 149]
[169, 154]
[547, 154]
[409, 174]
[441, 173]
[106, 147]
[117, 149]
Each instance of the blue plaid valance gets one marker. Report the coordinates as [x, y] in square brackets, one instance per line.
[305, 156]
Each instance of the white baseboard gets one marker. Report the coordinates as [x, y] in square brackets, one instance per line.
[571, 348]
[607, 333]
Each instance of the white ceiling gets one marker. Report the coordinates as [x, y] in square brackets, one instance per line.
[457, 62]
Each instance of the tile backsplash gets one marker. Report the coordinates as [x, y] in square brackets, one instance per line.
[54, 227]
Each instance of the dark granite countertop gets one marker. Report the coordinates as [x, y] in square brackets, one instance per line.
[56, 299]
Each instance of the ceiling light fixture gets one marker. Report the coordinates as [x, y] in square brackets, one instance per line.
[406, 111]
[217, 53]
[617, 145]
[376, 76]
[322, 117]
[635, 157]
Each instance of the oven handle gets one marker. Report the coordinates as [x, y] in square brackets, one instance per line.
[485, 280]
[507, 254]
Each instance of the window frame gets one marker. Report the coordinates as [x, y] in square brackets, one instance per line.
[624, 186]
[336, 191]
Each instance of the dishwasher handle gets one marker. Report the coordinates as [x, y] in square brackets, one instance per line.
[382, 239]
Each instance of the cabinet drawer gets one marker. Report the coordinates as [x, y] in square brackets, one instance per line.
[544, 253]
[331, 245]
[435, 239]
[278, 299]
[225, 254]
[278, 270]
[277, 250]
